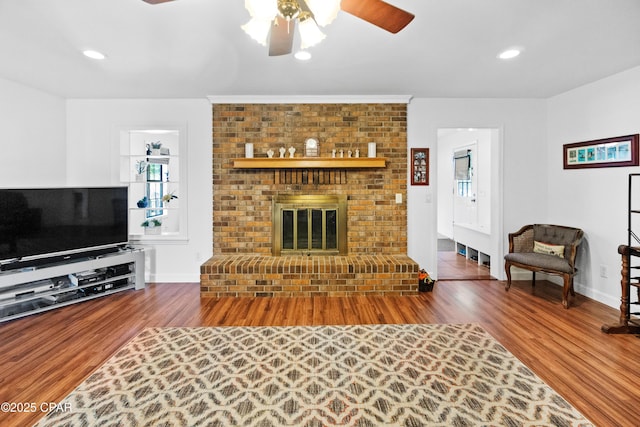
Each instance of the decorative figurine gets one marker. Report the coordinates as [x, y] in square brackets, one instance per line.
[333, 153]
[291, 151]
[341, 153]
[349, 154]
[270, 153]
[282, 151]
[357, 152]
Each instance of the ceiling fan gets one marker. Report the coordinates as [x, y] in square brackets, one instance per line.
[275, 20]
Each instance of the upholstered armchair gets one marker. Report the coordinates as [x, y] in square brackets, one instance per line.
[548, 248]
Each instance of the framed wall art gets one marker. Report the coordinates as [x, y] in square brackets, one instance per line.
[601, 153]
[419, 166]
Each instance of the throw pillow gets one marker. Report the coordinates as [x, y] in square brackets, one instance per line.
[548, 248]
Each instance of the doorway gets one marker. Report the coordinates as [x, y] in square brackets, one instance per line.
[469, 210]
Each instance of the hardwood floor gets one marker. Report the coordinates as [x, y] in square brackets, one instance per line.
[44, 357]
[452, 266]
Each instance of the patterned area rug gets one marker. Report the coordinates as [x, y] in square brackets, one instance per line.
[365, 375]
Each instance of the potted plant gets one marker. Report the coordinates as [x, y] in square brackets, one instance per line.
[140, 168]
[155, 148]
[169, 197]
[152, 226]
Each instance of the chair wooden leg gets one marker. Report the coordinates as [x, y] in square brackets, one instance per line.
[565, 290]
[533, 279]
[573, 292]
[507, 269]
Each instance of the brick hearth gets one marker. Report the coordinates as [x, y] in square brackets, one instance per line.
[256, 275]
[376, 261]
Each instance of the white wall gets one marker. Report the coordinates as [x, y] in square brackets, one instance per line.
[522, 125]
[33, 147]
[594, 199]
[93, 159]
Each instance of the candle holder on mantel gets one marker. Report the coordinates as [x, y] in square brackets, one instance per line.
[371, 150]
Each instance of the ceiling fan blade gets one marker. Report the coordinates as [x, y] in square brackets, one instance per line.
[379, 13]
[156, 1]
[281, 37]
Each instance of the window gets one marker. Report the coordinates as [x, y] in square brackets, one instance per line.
[462, 172]
[463, 188]
[157, 176]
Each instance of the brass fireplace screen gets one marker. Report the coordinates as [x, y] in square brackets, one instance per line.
[309, 225]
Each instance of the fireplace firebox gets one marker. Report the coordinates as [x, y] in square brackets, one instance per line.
[309, 225]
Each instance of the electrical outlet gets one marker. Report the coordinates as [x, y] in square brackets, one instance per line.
[604, 271]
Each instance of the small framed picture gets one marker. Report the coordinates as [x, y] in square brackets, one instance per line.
[419, 166]
[311, 148]
[602, 153]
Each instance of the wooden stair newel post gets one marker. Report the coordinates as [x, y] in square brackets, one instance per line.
[624, 327]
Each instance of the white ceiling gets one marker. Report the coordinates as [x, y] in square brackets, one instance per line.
[195, 48]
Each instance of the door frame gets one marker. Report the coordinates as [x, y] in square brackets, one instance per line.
[496, 241]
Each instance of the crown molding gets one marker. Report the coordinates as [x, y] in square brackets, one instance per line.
[310, 99]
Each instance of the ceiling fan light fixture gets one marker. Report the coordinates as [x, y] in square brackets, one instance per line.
[258, 29]
[324, 11]
[273, 22]
[310, 34]
[288, 9]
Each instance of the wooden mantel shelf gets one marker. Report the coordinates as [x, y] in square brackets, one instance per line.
[309, 163]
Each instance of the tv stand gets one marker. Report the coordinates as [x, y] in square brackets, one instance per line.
[21, 264]
[58, 281]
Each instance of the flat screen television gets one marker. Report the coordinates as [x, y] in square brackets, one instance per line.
[49, 222]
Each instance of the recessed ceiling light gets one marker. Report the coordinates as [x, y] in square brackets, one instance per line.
[93, 54]
[509, 53]
[303, 55]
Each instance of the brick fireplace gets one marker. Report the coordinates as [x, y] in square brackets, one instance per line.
[375, 259]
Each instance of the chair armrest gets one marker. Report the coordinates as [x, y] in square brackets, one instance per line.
[521, 240]
[573, 248]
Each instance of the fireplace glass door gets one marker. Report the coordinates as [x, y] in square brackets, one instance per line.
[309, 230]
[309, 225]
